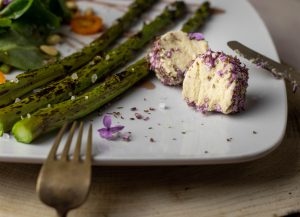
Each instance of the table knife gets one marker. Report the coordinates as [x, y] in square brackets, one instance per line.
[279, 70]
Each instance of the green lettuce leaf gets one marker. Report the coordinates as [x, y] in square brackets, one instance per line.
[16, 9]
[19, 51]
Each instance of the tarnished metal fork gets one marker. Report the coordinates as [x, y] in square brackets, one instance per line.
[64, 183]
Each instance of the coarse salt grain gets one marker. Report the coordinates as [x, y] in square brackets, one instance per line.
[28, 115]
[73, 97]
[107, 57]
[17, 100]
[49, 105]
[162, 106]
[74, 76]
[94, 78]
[86, 97]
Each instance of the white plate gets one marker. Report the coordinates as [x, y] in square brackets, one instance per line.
[200, 139]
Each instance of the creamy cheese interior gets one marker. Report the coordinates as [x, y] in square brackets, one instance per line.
[209, 88]
[178, 51]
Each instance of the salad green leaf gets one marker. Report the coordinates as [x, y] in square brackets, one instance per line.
[16, 9]
[24, 26]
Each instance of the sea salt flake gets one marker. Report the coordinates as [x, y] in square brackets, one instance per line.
[162, 106]
[94, 78]
[74, 76]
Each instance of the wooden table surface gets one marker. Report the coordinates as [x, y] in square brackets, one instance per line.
[266, 187]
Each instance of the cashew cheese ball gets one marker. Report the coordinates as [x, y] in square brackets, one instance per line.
[173, 53]
[216, 82]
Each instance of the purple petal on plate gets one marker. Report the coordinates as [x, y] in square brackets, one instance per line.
[107, 121]
[116, 129]
[196, 35]
[105, 133]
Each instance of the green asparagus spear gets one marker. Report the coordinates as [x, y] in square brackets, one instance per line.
[45, 120]
[85, 77]
[199, 18]
[48, 119]
[31, 80]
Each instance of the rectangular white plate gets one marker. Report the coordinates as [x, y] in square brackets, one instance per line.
[183, 136]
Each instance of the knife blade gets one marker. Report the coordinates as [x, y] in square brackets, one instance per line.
[279, 70]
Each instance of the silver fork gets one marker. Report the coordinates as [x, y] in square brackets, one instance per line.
[64, 183]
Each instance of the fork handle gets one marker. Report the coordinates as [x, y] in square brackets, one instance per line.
[61, 213]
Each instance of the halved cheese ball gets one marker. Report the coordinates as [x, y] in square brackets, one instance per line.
[216, 82]
[173, 53]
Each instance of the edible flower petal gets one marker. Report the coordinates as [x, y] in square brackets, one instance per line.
[107, 121]
[108, 131]
[196, 36]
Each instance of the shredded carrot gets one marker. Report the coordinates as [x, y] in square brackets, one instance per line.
[2, 78]
[86, 25]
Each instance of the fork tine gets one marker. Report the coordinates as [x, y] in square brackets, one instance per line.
[78, 143]
[88, 154]
[52, 153]
[65, 153]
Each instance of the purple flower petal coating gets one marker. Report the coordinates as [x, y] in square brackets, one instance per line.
[107, 121]
[196, 36]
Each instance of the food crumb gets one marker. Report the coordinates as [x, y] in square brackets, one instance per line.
[150, 128]
[127, 137]
[254, 132]
[138, 116]
[132, 119]
[183, 132]
[205, 152]
[229, 139]
[152, 140]
[133, 109]
[174, 139]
